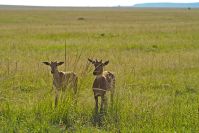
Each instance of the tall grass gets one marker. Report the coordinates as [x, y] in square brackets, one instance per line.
[153, 54]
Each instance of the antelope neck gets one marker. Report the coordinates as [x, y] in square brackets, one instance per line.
[56, 74]
[99, 76]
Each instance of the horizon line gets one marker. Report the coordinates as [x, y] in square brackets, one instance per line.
[27, 5]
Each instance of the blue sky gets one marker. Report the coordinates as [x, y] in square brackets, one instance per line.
[85, 2]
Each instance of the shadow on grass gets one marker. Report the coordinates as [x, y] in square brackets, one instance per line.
[98, 118]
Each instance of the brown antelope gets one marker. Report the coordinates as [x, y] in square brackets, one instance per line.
[62, 80]
[104, 81]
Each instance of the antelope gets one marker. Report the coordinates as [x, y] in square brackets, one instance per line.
[62, 80]
[104, 81]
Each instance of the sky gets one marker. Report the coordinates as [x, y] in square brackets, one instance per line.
[96, 3]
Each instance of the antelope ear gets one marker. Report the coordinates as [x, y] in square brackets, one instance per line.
[46, 63]
[91, 61]
[106, 63]
[60, 63]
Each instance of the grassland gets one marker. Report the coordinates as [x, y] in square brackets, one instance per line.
[154, 54]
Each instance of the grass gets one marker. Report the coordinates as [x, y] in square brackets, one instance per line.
[153, 53]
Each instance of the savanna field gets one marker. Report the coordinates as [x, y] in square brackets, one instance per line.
[154, 54]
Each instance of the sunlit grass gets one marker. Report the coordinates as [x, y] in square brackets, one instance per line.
[154, 55]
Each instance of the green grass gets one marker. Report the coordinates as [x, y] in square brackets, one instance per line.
[154, 54]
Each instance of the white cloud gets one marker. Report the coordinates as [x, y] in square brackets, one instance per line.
[84, 2]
